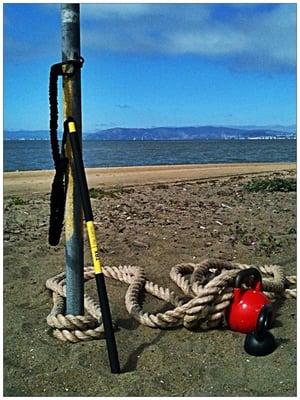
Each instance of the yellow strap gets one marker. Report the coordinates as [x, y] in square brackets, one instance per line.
[93, 244]
[72, 127]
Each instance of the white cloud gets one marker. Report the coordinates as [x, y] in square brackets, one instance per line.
[207, 42]
[276, 35]
[253, 36]
[131, 11]
[123, 11]
[250, 38]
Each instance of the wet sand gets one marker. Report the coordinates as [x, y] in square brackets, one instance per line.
[153, 217]
[40, 181]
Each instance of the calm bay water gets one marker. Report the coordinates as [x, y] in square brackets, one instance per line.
[26, 155]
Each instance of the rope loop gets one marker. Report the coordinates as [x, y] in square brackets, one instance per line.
[207, 289]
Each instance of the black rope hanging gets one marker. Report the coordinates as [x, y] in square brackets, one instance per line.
[59, 185]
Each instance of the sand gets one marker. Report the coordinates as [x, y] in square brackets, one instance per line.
[153, 217]
[40, 181]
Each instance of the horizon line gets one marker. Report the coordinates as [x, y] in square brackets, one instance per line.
[260, 126]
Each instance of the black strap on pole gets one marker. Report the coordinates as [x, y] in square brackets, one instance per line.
[59, 185]
[80, 177]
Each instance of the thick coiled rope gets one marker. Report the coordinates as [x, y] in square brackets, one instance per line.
[207, 289]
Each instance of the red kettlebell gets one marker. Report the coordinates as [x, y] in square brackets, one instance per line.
[244, 310]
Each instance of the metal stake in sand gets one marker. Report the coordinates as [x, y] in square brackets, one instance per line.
[70, 127]
[70, 32]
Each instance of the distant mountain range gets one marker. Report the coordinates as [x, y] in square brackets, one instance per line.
[171, 133]
[186, 133]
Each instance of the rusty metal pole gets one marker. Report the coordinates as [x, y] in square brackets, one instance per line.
[70, 34]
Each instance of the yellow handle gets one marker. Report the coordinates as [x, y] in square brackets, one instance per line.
[93, 244]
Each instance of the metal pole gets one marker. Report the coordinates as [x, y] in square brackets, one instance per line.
[70, 31]
[80, 176]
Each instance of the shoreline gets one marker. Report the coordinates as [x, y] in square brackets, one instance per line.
[21, 182]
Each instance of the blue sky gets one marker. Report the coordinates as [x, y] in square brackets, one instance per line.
[157, 64]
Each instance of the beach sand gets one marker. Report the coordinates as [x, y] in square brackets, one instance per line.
[155, 218]
[40, 181]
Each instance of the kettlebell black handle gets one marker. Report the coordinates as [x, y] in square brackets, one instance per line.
[261, 342]
[246, 273]
[263, 321]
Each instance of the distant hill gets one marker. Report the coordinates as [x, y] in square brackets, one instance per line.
[185, 133]
[168, 133]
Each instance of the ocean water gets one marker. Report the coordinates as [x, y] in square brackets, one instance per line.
[26, 155]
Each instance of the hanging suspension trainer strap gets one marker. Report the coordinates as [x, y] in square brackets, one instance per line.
[59, 185]
[80, 177]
